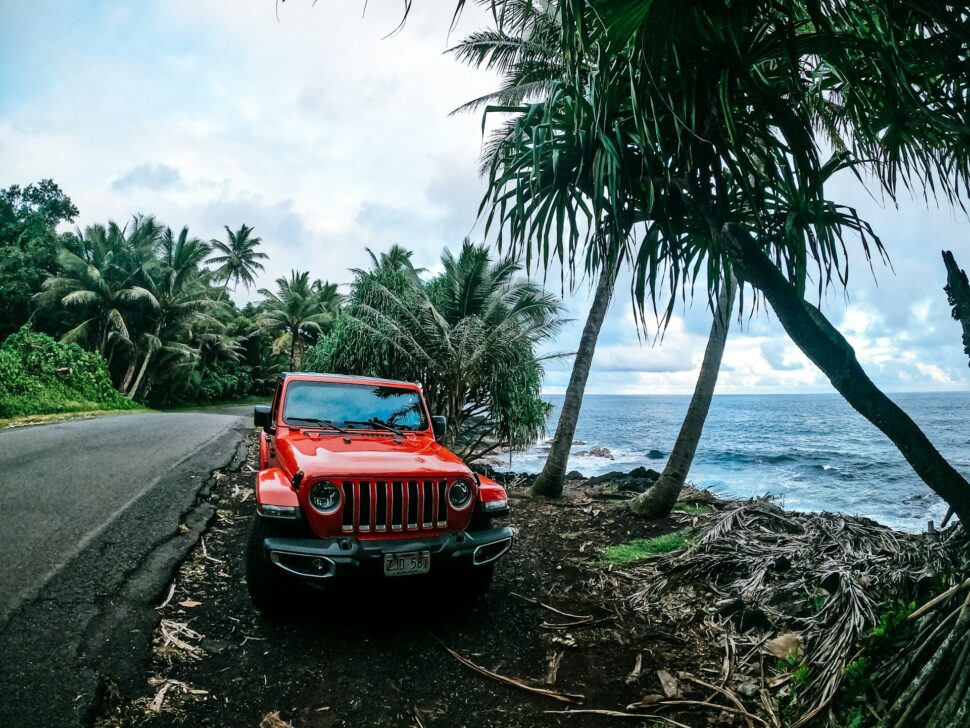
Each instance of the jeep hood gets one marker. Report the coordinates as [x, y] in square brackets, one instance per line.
[366, 455]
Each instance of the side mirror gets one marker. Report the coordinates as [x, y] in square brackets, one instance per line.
[261, 416]
[439, 423]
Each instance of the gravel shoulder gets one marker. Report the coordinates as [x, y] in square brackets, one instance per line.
[380, 656]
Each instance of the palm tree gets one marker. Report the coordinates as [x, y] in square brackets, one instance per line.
[468, 335]
[712, 122]
[238, 260]
[181, 287]
[100, 280]
[526, 50]
[659, 499]
[686, 125]
[299, 312]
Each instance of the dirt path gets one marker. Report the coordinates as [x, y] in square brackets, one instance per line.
[380, 658]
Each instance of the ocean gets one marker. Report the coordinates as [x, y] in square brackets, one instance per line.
[811, 451]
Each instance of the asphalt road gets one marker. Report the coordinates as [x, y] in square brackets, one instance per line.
[90, 530]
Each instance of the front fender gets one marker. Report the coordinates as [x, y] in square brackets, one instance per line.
[490, 492]
[273, 488]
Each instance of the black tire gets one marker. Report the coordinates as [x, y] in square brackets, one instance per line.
[267, 585]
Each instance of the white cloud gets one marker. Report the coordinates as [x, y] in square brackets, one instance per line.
[328, 138]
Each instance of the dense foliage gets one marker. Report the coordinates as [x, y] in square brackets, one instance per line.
[39, 376]
[29, 242]
[468, 335]
[148, 302]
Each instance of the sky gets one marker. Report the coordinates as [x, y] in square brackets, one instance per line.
[329, 133]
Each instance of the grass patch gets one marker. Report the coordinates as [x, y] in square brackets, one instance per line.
[642, 548]
[694, 509]
[62, 417]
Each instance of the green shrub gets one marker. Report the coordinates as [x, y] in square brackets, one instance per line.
[39, 375]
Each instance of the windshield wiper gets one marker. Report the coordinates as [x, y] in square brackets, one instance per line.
[319, 423]
[374, 422]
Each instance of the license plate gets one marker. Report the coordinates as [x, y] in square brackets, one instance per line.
[412, 562]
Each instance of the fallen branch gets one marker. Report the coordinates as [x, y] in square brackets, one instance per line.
[939, 599]
[549, 693]
[537, 603]
[727, 694]
[171, 593]
[710, 706]
[577, 623]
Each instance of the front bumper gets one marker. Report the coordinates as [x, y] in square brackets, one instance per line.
[319, 558]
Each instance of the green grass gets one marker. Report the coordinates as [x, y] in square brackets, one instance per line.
[640, 548]
[694, 509]
[25, 420]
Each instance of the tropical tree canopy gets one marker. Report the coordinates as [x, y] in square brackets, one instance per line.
[298, 313]
[687, 118]
[29, 242]
[468, 335]
[142, 296]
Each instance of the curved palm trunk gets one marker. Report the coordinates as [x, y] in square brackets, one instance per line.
[825, 346]
[129, 374]
[660, 498]
[550, 480]
[292, 350]
[141, 374]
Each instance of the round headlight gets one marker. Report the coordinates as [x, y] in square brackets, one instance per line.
[460, 494]
[324, 497]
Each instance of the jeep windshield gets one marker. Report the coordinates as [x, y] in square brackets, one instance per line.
[338, 405]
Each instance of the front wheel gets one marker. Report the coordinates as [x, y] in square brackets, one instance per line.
[267, 586]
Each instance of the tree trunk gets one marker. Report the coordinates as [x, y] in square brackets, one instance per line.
[958, 294]
[292, 350]
[129, 373]
[550, 480]
[141, 373]
[825, 346]
[658, 500]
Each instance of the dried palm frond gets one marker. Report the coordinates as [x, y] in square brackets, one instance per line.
[825, 576]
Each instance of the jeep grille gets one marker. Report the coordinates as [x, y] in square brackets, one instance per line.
[380, 506]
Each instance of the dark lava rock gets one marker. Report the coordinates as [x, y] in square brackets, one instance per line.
[597, 452]
[645, 473]
[574, 475]
[611, 477]
[634, 485]
[656, 455]
[636, 481]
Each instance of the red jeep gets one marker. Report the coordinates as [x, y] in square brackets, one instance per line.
[352, 480]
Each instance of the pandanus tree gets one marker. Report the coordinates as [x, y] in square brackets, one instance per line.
[237, 259]
[525, 49]
[712, 123]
